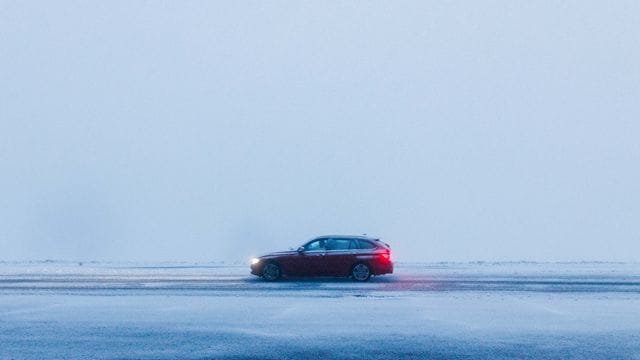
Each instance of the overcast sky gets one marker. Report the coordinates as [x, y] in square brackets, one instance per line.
[196, 131]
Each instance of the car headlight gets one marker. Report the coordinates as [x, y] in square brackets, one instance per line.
[255, 261]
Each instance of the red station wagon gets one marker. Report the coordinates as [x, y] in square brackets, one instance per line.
[333, 255]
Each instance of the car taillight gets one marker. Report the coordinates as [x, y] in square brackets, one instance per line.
[386, 256]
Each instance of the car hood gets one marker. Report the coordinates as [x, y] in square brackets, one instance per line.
[278, 253]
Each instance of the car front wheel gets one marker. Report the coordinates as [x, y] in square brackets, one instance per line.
[271, 272]
[360, 272]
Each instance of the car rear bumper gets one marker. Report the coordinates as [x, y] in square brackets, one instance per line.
[383, 268]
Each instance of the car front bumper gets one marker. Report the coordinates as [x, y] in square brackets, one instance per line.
[256, 269]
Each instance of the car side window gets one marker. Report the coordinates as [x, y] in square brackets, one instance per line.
[330, 244]
[364, 244]
[338, 244]
[315, 245]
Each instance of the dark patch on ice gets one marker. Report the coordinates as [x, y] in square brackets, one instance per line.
[77, 340]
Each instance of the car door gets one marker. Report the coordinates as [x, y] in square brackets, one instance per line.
[339, 256]
[310, 261]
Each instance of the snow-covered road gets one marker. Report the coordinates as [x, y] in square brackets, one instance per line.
[214, 310]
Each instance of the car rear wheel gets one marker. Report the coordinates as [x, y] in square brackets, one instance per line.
[360, 272]
[271, 272]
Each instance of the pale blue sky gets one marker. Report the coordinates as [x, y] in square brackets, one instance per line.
[202, 130]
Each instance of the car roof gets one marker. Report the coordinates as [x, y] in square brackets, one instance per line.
[361, 237]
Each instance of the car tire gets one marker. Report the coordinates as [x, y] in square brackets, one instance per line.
[360, 272]
[271, 271]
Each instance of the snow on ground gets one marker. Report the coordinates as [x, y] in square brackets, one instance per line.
[215, 310]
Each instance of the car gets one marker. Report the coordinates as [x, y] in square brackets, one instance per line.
[358, 257]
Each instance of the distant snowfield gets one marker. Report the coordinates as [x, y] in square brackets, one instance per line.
[217, 310]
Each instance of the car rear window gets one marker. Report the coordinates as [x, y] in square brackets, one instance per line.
[364, 244]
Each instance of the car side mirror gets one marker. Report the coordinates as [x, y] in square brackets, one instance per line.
[301, 249]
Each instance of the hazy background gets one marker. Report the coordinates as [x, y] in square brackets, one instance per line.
[187, 130]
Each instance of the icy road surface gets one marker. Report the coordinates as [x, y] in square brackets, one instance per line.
[445, 310]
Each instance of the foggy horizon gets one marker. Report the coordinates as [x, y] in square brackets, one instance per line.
[197, 131]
